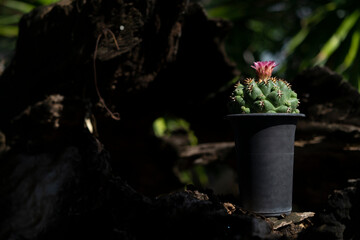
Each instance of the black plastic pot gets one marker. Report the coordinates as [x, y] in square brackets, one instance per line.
[265, 151]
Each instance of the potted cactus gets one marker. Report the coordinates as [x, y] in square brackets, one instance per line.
[263, 116]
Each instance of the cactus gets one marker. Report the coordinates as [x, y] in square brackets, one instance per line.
[266, 94]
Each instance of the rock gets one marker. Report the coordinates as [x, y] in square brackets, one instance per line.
[340, 219]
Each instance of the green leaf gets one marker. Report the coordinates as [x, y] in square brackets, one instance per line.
[201, 175]
[333, 43]
[8, 20]
[351, 55]
[308, 23]
[164, 126]
[229, 11]
[185, 177]
[319, 14]
[296, 41]
[46, 2]
[256, 26]
[18, 5]
[9, 31]
[159, 127]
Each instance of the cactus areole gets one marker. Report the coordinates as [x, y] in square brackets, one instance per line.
[265, 94]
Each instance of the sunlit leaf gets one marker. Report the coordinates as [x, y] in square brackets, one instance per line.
[159, 127]
[8, 20]
[46, 2]
[353, 50]
[230, 11]
[318, 15]
[165, 126]
[333, 43]
[9, 31]
[296, 41]
[18, 5]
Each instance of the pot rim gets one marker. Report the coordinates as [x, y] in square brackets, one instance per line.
[265, 115]
[251, 115]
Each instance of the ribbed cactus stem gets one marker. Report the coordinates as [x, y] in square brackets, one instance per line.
[266, 94]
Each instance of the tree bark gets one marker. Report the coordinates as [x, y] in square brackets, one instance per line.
[153, 59]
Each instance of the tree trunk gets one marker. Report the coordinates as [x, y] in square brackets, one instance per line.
[82, 65]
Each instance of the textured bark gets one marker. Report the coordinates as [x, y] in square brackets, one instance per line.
[153, 59]
[170, 60]
[327, 150]
[57, 179]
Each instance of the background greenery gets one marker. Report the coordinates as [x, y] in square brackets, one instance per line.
[10, 13]
[297, 34]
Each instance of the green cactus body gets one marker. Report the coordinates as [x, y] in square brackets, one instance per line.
[266, 95]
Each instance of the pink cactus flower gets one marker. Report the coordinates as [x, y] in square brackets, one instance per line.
[264, 69]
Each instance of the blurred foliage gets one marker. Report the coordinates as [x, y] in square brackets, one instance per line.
[11, 12]
[196, 176]
[173, 126]
[260, 29]
[331, 38]
[167, 126]
[296, 34]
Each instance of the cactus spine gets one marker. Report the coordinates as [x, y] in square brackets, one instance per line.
[266, 94]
